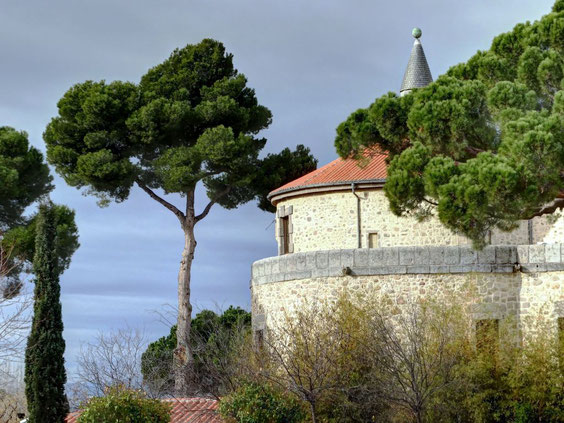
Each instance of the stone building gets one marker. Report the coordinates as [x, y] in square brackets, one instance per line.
[335, 233]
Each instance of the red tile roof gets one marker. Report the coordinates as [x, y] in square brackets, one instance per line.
[194, 410]
[184, 410]
[341, 171]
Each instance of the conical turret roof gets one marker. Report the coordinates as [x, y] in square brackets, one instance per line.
[417, 74]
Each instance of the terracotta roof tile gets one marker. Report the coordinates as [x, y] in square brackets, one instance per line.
[184, 410]
[341, 171]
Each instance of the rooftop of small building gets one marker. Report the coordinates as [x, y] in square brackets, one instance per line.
[370, 169]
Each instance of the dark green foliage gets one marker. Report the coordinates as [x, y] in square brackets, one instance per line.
[212, 338]
[279, 169]
[45, 375]
[22, 238]
[24, 177]
[125, 406]
[157, 362]
[190, 119]
[254, 403]
[483, 146]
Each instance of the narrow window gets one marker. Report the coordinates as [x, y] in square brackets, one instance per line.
[285, 230]
[373, 240]
[285, 224]
[487, 336]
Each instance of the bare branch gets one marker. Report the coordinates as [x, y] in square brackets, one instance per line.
[162, 201]
[211, 203]
[111, 359]
[549, 208]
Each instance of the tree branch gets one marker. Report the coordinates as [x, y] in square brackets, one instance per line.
[473, 151]
[549, 208]
[162, 201]
[211, 203]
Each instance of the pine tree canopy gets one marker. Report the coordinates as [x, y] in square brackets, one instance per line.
[24, 180]
[482, 146]
[192, 118]
[24, 177]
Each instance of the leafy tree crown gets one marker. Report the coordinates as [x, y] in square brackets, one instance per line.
[192, 118]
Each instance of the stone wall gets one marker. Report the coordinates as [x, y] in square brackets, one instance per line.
[504, 280]
[329, 221]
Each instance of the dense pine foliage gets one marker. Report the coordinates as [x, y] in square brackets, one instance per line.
[25, 179]
[483, 145]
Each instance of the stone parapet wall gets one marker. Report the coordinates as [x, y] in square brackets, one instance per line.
[409, 260]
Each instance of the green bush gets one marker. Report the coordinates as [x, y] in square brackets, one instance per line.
[121, 405]
[254, 403]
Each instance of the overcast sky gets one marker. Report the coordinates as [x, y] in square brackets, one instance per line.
[311, 62]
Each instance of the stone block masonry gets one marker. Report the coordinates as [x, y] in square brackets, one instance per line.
[504, 280]
[329, 220]
[410, 260]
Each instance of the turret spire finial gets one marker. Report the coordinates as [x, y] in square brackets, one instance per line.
[417, 74]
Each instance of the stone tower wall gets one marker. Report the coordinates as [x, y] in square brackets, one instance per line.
[329, 221]
[516, 281]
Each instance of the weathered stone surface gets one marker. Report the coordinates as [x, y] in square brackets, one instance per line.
[421, 256]
[552, 253]
[388, 270]
[536, 254]
[468, 255]
[437, 255]
[328, 221]
[297, 275]
[487, 255]
[523, 253]
[391, 257]
[439, 269]
[322, 259]
[494, 295]
[361, 257]
[418, 269]
[452, 255]
[407, 256]
[423, 260]
[335, 258]
[300, 261]
[505, 254]
[291, 262]
[376, 256]
[347, 258]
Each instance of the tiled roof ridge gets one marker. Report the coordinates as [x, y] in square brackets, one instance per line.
[341, 170]
[188, 399]
[323, 169]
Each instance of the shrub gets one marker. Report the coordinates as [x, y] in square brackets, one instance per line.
[121, 405]
[256, 403]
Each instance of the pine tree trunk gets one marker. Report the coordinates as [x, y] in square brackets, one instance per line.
[183, 359]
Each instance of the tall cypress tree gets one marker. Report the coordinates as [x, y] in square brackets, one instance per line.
[45, 375]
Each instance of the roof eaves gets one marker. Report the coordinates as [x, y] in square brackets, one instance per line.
[379, 181]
